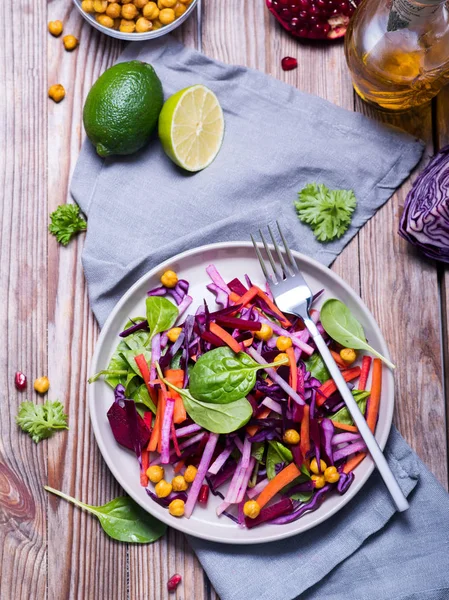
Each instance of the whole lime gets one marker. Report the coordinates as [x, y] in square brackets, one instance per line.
[122, 108]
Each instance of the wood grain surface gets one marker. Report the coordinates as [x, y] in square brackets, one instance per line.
[48, 549]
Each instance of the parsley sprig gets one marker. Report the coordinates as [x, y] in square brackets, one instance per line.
[328, 212]
[40, 420]
[66, 223]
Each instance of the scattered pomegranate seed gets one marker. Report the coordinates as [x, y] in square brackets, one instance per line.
[204, 494]
[288, 63]
[313, 19]
[20, 381]
[173, 582]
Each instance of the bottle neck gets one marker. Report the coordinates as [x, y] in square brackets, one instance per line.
[408, 14]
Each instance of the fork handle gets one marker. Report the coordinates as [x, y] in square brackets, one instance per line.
[379, 459]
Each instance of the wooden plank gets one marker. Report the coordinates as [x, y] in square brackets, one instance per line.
[441, 140]
[23, 316]
[82, 560]
[401, 289]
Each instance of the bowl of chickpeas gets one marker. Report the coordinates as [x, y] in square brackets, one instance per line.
[135, 20]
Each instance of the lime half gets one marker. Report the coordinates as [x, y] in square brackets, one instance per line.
[191, 127]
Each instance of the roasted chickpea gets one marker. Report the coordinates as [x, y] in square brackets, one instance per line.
[105, 21]
[176, 508]
[291, 436]
[127, 26]
[114, 10]
[140, 3]
[88, 6]
[265, 332]
[164, 489]
[331, 475]
[41, 385]
[348, 356]
[319, 481]
[56, 93]
[251, 509]
[156, 24]
[169, 278]
[283, 342]
[179, 484]
[190, 473]
[173, 333]
[168, 3]
[126, 1]
[143, 25]
[155, 473]
[129, 11]
[281, 357]
[150, 11]
[179, 9]
[70, 42]
[55, 28]
[314, 466]
[100, 6]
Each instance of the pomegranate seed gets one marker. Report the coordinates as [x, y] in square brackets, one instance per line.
[285, 14]
[295, 8]
[313, 10]
[304, 4]
[326, 29]
[204, 494]
[284, 2]
[303, 15]
[288, 63]
[173, 582]
[303, 32]
[20, 381]
[294, 23]
[344, 6]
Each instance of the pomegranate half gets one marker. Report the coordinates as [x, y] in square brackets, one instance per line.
[313, 19]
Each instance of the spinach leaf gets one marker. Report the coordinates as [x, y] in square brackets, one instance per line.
[302, 496]
[130, 355]
[132, 384]
[137, 340]
[176, 360]
[315, 364]
[122, 519]
[344, 328]
[284, 453]
[221, 376]
[161, 314]
[343, 416]
[257, 451]
[142, 396]
[117, 369]
[273, 459]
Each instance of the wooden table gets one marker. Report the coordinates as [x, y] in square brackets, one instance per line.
[48, 549]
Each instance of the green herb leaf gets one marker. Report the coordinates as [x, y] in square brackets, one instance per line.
[66, 222]
[141, 395]
[258, 450]
[315, 364]
[41, 420]
[343, 327]
[284, 453]
[122, 519]
[221, 376]
[328, 212]
[302, 496]
[343, 416]
[161, 314]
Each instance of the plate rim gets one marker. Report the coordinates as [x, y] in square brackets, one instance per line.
[167, 519]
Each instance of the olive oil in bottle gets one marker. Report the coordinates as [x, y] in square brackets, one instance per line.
[398, 51]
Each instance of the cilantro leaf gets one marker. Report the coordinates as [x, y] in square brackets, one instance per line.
[66, 222]
[40, 420]
[328, 212]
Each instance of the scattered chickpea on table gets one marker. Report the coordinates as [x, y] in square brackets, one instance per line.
[135, 16]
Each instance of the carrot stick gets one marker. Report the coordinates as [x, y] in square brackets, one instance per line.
[145, 455]
[345, 427]
[253, 429]
[329, 387]
[155, 439]
[248, 296]
[145, 372]
[282, 318]
[293, 370]
[178, 466]
[226, 337]
[374, 399]
[282, 479]
[366, 365]
[234, 297]
[338, 359]
[248, 343]
[304, 444]
[353, 462]
[176, 378]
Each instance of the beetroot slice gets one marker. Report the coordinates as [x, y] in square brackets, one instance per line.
[118, 421]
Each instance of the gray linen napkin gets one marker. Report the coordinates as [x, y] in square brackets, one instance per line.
[142, 210]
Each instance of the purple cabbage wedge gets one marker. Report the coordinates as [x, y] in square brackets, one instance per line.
[425, 220]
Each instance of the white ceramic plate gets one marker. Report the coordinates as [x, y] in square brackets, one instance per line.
[232, 259]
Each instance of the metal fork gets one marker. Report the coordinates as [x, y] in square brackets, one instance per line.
[293, 295]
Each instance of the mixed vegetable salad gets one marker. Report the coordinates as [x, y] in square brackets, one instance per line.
[238, 402]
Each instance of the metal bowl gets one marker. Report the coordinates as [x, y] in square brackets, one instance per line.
[136, 37]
